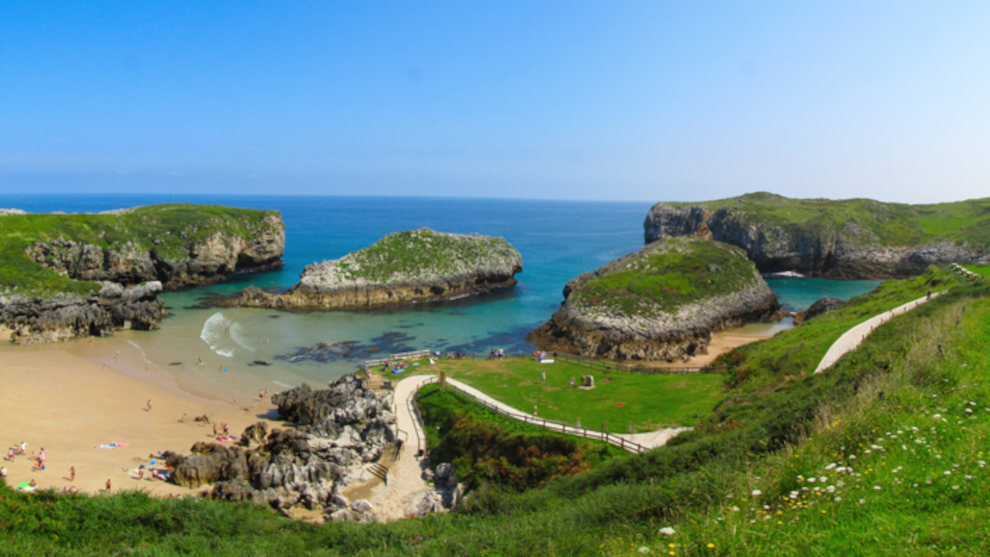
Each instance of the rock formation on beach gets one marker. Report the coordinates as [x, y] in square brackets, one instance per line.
[401, 268]
[661, 303]
[339, 431]
[856, 238]
[76, 275]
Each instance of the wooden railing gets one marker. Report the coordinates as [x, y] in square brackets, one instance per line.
[610, 438]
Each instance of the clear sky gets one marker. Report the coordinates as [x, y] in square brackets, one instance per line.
[623, 100]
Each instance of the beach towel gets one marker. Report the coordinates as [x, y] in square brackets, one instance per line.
[24, 486]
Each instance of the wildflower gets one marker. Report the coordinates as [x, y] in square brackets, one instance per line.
[877, 488]
[756, 493]
[643, 550]
[711, 545]
[667, 531]
[830, 466]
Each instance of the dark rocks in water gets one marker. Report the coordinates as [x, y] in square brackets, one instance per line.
[175, 363]
[339, 430]
[259, 363]
[391, 343]
[274, 316]
[822, 305]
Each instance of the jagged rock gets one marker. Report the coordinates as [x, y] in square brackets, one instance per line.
[661, 303]
[254, 434]
[401, 268]
[66, 316]
[339, 430]
[818, 237]
[362, 506]
[821, 305]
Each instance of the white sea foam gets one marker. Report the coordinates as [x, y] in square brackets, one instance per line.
[144, 356]
[215, 334]
[237, 335]
[281, 384]
[786, 274]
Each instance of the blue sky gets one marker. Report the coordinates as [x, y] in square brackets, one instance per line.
[561, 100]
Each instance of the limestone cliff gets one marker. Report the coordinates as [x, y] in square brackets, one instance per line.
[857, 238]
[401, 268]
[87, 274]
[661, 303]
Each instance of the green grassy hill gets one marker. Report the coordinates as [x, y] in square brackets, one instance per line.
[864, 220]
[885, 453]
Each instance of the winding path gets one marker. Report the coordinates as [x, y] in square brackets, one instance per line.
[851, 339]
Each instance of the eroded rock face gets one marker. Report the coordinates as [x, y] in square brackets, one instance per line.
[65, 316]
[340, 430]
[204, 262]
[822, 305]
[402, 268]
[646, 332]
[843, 251]
[132, 277]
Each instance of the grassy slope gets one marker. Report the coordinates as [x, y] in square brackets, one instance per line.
[489, 448]
[420, 252]
[649, 402]
[772, 441]
[168, 229]
[685, 270]
[892, 224]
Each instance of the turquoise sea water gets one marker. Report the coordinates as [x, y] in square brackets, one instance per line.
[557, 239]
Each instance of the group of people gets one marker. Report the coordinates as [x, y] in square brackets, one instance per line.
[496, 353]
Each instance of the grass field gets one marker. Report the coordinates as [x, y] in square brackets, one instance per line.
[619, 400]
[979, 269]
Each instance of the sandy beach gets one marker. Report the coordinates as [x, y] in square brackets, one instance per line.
[73, 397]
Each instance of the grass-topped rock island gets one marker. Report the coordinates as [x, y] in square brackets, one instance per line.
[65, 276]
[661, 303]
[401, 268]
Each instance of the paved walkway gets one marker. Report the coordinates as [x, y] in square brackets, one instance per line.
[851, 339]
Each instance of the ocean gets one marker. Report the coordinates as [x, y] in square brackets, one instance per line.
[208, 350]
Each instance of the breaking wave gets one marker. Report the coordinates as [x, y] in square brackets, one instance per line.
[223, 336]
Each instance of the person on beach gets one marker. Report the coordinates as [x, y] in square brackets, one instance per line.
[72, 473]
[108, 486]
[148, 407]
[3, 472]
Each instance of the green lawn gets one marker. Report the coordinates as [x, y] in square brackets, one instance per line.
[646, 402]
[979, 269]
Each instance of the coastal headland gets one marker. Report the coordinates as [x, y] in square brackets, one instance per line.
[402, 268]
[842, 239]
[78, 275]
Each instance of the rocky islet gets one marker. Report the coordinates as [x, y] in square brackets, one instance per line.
[402, 268]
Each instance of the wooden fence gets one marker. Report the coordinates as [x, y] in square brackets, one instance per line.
[610, 438]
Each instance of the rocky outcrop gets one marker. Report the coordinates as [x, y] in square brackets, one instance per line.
[661, 303]
[199, 262]
[844, 240]
[402, 268]
[65, 316]
[821, 306]
[339, 430]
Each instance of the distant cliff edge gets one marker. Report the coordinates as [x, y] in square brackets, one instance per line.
[855, 238]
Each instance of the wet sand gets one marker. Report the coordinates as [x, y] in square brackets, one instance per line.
[70, 398]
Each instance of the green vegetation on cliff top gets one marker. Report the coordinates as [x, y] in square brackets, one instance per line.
[424, 253]
[168, 229]
[666, 275]
[894, 436]
[864, 221]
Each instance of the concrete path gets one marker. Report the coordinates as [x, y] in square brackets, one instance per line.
[397, 497]
[851, 339]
